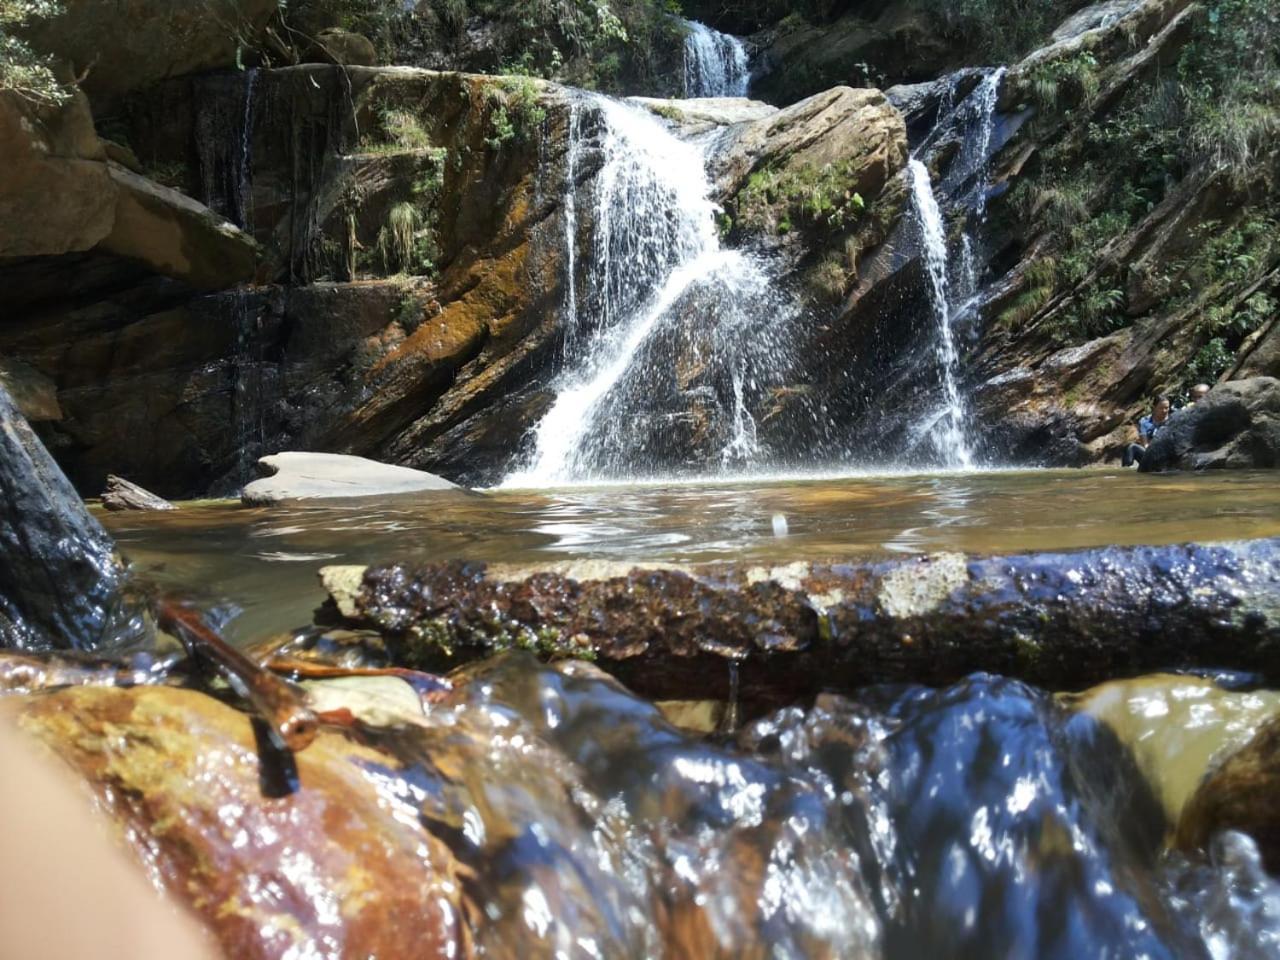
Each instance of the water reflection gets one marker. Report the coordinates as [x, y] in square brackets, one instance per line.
[264, 559]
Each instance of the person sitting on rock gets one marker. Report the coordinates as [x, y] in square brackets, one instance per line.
[1148, 427]
[1199, 392]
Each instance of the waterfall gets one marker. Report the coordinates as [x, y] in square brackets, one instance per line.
[224, 144]
[247, 409]
[715, 64]
[954, 284]
[947, 429]
[967, 177]
[677, 337]
[572, 163]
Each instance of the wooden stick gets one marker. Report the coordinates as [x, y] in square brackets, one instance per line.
[286, 713]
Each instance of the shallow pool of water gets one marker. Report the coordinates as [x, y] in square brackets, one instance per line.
[258, 565]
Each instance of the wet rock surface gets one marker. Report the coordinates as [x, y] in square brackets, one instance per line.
[1237, 426]
[1177, 728]
[61, 580]
[1239, 794]
[538, 805]
[1059, 619]
[340, 866]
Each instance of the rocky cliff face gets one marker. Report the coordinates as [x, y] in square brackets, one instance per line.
[407, 238]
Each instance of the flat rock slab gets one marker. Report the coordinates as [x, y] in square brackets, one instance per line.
[1060, 620]
[320, 476]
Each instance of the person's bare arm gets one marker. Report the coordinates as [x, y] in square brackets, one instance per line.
[67, 891]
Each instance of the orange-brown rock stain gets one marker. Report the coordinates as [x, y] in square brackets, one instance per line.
[338, 865]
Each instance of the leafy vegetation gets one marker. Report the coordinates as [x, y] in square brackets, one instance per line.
[820, 197]
[1209, 121]
[23, 70]
[515, 111]
[997, 30]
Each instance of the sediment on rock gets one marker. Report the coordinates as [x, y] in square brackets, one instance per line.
[1062, 620]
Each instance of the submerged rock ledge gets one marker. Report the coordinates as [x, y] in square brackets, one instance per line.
[1057, 619]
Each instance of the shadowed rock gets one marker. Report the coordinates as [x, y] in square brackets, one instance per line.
[1236, 426]
[1240, 794]
[61, 580]
[1057, 619]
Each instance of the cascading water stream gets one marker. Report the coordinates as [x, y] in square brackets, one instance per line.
[953, 291]
[666, 318]
[224, 142]
[715, 64]
[947, 434]
[967, 176]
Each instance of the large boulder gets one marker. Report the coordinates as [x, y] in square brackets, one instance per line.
[342, 861]
[177, 236]
[61, 194]
[122, 47]
[57, 194]
[1236, 426]
[898, 42]
[326, 476]
[61, 581]
[859, 131]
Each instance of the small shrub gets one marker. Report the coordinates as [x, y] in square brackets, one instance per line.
[397, 240]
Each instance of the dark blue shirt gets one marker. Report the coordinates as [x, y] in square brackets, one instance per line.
[1148, 428]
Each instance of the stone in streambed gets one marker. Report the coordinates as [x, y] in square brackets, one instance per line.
[1177, 727]
[1240, 794]
[341, 862]
[318, 476]
[1054, 619]
[61, 581]
[123, 495]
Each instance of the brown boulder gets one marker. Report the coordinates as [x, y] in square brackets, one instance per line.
[1240, 795]
[339, 865]
[177, 236]
[856, 128]
[123, 47]
[345, 48]
[60, 194]
[56, 195]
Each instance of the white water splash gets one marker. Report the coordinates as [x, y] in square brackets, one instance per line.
[948, 432]
[715, 64]
[573, 154]
[680, 328]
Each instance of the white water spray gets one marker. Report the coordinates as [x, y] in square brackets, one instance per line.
[948, 433]
[715, 64]
[676, 322]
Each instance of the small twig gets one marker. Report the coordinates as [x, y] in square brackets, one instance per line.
[281, 706]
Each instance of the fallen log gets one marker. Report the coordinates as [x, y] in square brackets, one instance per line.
[1059, 620]
[120, 494]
